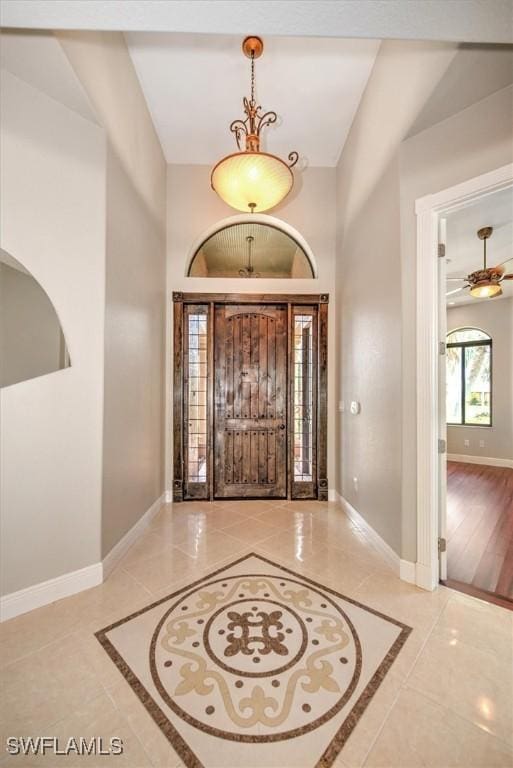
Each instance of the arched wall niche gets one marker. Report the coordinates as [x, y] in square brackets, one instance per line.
[254, 245]
[32, 342]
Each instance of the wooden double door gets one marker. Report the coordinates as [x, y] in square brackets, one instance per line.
[250, 397]
[250, 392]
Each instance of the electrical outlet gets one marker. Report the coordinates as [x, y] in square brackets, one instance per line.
[466, 443]
[481, 444]
[355, 484]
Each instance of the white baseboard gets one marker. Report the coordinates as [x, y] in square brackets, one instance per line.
[487, 460]
[403, 568]
[426, 577]
[121, 548]
[69, 584]
[168, 497]
[49, 591]
[381, 545]
[407, 571]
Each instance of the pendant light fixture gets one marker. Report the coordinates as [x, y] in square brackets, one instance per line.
[249, 270]
[252, 180]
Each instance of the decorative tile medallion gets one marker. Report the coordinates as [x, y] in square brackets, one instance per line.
[255, 665]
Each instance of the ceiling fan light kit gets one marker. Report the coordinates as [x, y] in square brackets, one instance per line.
[252, 180]
[485, 283]
[485, 289]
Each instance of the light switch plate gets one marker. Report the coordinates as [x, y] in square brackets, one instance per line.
[355, 407]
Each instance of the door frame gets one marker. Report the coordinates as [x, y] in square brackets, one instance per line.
[430, 209]
[180, 300]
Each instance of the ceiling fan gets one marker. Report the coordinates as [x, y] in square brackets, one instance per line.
[483, 283]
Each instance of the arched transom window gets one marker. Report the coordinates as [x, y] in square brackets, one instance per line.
[251, 249]
[469, 377]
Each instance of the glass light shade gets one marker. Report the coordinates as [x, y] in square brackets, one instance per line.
[485, 290]
[252, 181]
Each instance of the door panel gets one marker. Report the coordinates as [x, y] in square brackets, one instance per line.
[250, 353]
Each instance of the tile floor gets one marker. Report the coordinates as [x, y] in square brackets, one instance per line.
[447, 700]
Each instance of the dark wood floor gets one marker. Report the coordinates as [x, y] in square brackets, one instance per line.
[480, 527]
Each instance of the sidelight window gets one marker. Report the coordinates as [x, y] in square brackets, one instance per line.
[196, 370]
[303, 397]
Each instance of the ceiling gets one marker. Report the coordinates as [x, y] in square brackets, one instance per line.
[464, 250]
[194, 85]
[458, 20]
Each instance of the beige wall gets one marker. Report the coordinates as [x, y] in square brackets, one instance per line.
[496, 319]
[193, 207]
[82, 454]
[31, 340]
[369, 363]
[52, 215]
[472, 142]
[133, 438]
[379, 176]
[369, 445]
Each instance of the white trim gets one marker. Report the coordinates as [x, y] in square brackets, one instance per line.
[459, 196]
[111, 560]
[427, 393]
[69, 584]
[487, 460]
[390, 555]
[46, 592]
[168, 497]
[333, 495]
[413, 573]
[407, 571]
[252, 218]
[428, 210]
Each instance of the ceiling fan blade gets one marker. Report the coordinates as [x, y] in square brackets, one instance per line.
[456, 278]
[456, 290]
[507, 277]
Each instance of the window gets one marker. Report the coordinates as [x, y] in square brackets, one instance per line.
[303, 397]
[196, 394]
[469, 378]
[251, 249]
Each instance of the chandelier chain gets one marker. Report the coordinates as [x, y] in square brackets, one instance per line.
[253, 76]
